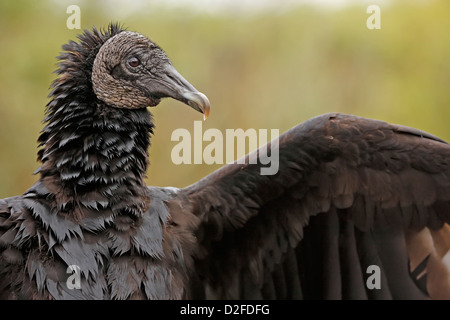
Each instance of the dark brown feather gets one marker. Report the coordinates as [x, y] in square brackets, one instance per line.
[368, 182]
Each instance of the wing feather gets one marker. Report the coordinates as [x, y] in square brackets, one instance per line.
[348, 194]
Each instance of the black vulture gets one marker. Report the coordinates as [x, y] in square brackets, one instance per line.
[359, 208]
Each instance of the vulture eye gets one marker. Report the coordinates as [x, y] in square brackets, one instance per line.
[134, 62]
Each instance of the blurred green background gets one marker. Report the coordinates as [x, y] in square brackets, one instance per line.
[261, 68]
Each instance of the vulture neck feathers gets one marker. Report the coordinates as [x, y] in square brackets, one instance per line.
[93, 156]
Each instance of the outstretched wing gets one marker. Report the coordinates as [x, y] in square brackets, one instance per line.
[358, 209]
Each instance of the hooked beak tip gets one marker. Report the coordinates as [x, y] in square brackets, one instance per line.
[198, 101]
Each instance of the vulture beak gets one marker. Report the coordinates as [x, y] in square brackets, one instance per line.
[175, 86]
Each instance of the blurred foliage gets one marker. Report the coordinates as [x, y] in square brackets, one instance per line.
[265, 70]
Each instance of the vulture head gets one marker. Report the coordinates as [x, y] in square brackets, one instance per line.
[131, 72]
[98, 126]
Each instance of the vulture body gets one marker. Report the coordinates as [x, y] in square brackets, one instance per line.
[351, 195]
